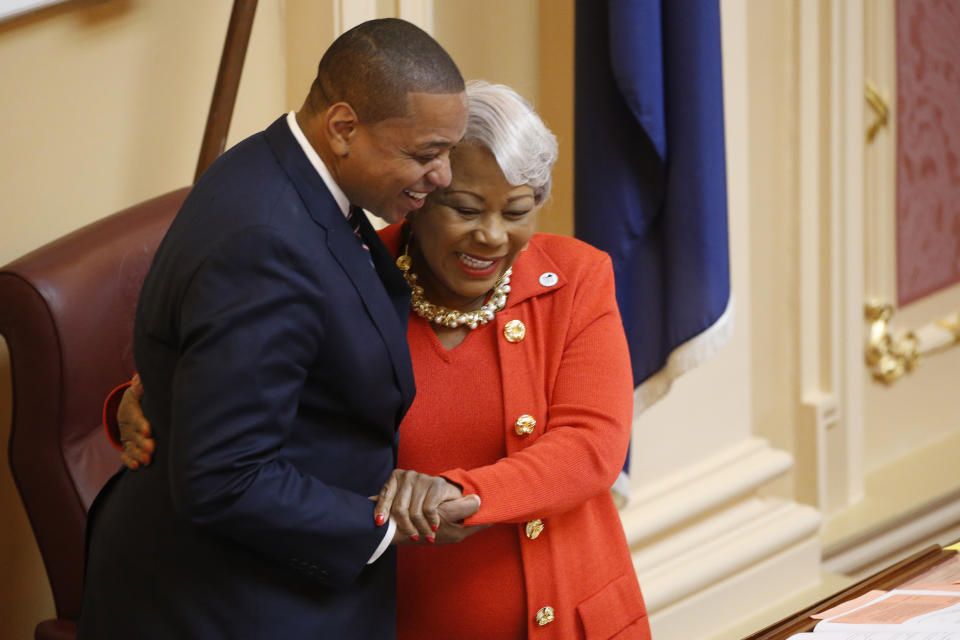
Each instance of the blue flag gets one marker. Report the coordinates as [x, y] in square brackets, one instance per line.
[651, 180]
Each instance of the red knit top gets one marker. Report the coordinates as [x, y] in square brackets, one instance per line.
[463, 430]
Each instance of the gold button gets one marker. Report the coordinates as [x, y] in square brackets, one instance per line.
[524, 425]
[514, 331]
[534, 528]
[545, 616]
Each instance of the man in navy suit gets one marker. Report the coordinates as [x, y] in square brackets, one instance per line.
[271, 340]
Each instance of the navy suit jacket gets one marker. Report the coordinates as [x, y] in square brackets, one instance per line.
[276, 370]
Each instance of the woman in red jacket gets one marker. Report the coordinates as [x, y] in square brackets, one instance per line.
[524, 398]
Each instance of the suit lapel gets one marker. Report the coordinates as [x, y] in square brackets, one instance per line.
[382, 295]
[383, 291]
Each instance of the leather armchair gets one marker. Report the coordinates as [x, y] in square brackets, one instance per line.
[66, 312]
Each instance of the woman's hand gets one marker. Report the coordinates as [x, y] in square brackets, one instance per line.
[135, 435]
[413, 500]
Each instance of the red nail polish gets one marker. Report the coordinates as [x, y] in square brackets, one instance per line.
[380, 519]
[434, 527]
[415, 537]
[431, 539]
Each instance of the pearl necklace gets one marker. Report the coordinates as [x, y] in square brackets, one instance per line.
[446, 317]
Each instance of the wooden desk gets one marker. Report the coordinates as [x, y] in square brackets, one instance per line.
[889, 578]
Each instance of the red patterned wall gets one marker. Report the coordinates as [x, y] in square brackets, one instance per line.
[928, 147]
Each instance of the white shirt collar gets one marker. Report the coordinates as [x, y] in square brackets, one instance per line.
[318, 164]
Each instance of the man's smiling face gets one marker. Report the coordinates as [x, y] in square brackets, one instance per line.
[394, 163]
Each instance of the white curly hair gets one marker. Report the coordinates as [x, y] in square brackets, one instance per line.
[503, 122]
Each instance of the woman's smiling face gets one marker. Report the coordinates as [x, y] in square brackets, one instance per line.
[467, 235]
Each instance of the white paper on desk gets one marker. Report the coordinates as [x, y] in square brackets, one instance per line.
[937, 611]
[878, 635]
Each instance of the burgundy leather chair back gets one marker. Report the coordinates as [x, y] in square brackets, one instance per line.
[66, 312]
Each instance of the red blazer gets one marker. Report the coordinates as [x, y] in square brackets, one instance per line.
[571, 373]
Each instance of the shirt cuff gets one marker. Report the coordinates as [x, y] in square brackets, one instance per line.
[387, 539]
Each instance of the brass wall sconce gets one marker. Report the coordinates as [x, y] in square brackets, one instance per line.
[890, 356]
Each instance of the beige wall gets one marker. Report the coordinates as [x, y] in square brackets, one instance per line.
[103, 106]
[495, 40]
[528, 45]
[556, 107]
[309, 31]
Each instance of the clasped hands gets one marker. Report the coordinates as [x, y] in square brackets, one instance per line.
[426, 509]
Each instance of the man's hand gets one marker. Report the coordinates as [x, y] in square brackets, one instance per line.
[413, 500]
[452, 513]
[134, 427]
